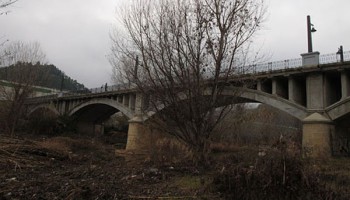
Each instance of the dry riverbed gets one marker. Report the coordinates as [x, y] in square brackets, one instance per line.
[33, 167]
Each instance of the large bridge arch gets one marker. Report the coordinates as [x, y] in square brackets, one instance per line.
[109, 102]
[274, 101]
[339, 109]
[254, 96]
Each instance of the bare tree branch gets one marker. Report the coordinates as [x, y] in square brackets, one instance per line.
[4, 4]
[188, 51]
[21, 62]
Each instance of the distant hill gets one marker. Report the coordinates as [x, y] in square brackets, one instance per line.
[47, 75]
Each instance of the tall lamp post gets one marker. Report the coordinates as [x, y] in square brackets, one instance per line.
[310, 29]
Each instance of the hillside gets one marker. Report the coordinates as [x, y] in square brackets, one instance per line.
[47, 75]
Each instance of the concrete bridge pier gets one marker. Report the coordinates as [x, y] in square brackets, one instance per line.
[317, 128]
[138, 136]
[317, 133]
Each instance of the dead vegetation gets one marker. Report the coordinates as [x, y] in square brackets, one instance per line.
[52, 168]
[37, 167]
[77, 167]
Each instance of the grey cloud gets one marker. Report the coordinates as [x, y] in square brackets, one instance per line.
[75, 33]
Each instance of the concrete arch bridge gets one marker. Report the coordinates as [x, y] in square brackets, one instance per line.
[317, 94]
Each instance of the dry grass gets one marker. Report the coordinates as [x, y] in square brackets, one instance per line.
[276, 174]
[76, 149]
[59, 144]
[20, 153]
[335, 174]
[168, 151]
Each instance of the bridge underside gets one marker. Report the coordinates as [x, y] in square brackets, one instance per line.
[91, 118]
[341, 139]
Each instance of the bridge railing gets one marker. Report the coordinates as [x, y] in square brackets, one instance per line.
[290, 63]
[334, 57]
[110, 88]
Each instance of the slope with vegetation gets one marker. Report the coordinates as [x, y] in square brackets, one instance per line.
[48, 76]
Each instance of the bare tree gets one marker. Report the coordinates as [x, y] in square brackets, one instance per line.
[4, 4]
[185, 52]
[20, 68]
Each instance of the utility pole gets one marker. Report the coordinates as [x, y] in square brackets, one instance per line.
[310, 29]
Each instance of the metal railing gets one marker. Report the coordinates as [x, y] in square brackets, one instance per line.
[290, 63]
[117, 87]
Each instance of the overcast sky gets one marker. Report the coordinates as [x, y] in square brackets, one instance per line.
[74, 34]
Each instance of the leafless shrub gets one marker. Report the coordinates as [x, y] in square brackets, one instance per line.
[257, 125]
[273, 173]
[43, 121]
[167, 152]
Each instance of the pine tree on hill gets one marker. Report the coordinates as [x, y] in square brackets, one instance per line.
[49, 75]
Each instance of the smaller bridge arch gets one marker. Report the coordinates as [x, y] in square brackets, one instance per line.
[49, 107]
[91, 114]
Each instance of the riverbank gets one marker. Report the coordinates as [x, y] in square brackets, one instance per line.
[33, 167]
[75, 167]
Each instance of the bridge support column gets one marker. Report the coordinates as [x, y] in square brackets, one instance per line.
[297, 90]
[63, 108]
[317, 134]
[258, 86]
[138, 136]
[345, 85]
[315, 91]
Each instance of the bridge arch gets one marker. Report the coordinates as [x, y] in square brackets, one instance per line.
[339, 109]
[49, 107]
[274, 101]
[255, 96]
[101, 101]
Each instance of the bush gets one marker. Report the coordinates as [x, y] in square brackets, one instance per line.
[43, 122]
[276, 174]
